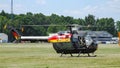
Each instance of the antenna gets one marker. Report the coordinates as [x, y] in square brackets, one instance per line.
[12, 10]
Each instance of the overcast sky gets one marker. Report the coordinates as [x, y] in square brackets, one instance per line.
[74, 8]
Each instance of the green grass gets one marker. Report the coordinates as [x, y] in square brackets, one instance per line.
[42, 55]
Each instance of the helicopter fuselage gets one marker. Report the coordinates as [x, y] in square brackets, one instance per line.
[76, 43]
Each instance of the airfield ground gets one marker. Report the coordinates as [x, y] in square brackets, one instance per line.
[42, 55]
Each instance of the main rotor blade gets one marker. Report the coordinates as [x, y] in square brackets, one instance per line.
[41, 25]
[70, 25]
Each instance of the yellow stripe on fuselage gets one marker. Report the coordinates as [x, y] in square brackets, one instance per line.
[59, 40]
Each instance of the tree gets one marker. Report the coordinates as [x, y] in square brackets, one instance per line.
[118, 26]
[90, 20]
[3, 22]
[106, 24]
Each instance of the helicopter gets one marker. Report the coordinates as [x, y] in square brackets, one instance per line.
[73, 41]
[76, 42]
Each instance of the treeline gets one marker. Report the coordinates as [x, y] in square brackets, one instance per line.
[107, 24]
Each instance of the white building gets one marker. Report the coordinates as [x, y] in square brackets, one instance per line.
[3, 38]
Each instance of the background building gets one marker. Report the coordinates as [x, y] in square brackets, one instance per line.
[3, 38]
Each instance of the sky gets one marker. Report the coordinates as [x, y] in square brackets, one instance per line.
[73, 8]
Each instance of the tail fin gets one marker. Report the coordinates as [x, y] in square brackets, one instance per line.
[119, 38]
[15, 34]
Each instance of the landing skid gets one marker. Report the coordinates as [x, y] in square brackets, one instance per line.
[91, 55]
[79, 54]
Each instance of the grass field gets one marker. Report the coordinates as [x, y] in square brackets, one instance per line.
[42, 55]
